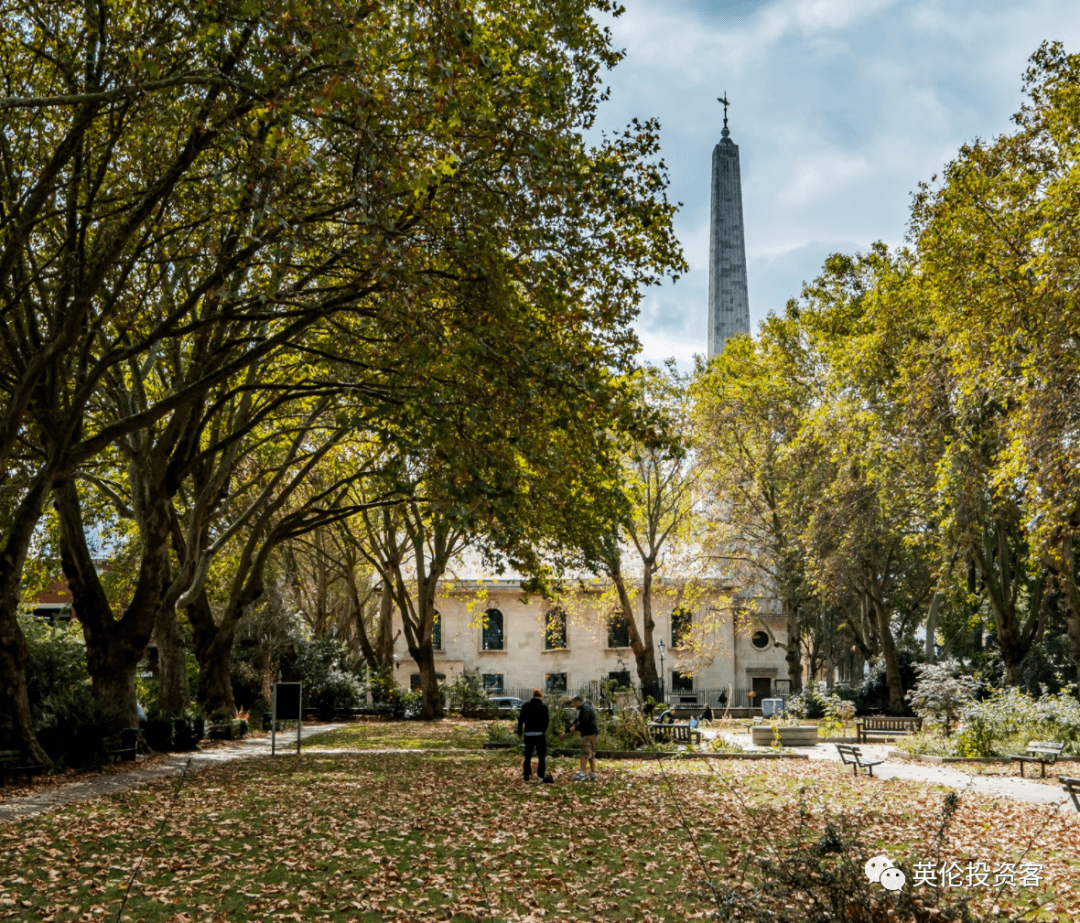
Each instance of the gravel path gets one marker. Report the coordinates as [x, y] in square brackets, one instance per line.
[936, 773]
[107, 784]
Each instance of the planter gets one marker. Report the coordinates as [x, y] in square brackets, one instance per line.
[791, 736]
[173, 733]
[229, 730]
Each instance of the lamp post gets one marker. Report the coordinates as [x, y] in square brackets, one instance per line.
[663, 698]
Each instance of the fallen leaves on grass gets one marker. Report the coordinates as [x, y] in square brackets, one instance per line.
[441, 836]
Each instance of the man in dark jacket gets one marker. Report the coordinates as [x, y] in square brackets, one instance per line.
[533, 723]
[588, 726]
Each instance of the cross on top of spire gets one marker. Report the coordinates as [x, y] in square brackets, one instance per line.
[723, 99]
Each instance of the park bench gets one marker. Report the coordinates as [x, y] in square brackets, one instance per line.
[129, 745]
[876, 726]
[1043, 752]
[1072, 786]
[850, 755]
[17, 763]
[674, 733]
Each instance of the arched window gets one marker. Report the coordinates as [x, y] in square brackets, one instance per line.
[436, 631]
[554, 629]
[493, 630]
[681, 620]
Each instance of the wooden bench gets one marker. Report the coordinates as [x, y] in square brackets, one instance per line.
[129, 745]
[866, 728]
[17, 763]
[850, 755]
[674, 733]
[1043, 752]
[1072, 786]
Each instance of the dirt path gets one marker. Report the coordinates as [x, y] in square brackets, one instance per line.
[173, 765]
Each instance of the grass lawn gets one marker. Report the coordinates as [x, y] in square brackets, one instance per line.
[455, 835]
[404, 735]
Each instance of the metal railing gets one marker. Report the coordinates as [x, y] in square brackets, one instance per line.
[717, 699]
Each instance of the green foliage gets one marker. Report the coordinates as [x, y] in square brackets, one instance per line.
[57, 664]
[1047, 666]
[467, 698]
[1009, 718]
[942, 692]
[329, 686]
[812, 703]
[501, 732]
[720, 744]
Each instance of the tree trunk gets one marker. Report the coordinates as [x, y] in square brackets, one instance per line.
[113, 677]
[1066, 581]
[215, 677]
[431, 705]
[793, 658]
[16, 724]
[888, 652]
[640, 641]
[993, 564]
[931, 627]
[174, 691]
[113, 646]
[384, 642]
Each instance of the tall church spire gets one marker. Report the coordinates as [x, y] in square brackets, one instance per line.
[729, 306]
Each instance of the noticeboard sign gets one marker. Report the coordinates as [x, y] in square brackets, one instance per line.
[287, 706]
[287, 701]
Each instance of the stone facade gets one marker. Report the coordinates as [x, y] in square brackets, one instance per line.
[729, 304]
[525, 656]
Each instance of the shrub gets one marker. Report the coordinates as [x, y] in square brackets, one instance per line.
[942, 692]
[468, 698]
[1048, 666]
[499, 732]
[329, 685]
[57, 661]
[1007, 720]
[70, 725]
[812, 704]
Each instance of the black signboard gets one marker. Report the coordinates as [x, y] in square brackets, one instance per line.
[287, 702]
[287, 706]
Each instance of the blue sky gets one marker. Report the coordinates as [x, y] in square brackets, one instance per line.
[840, 109]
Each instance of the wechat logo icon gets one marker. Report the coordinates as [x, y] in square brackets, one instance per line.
[880, 869]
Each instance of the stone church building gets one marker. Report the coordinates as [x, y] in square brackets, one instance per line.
[512, 645]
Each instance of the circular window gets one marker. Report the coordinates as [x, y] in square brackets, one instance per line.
[760, 640]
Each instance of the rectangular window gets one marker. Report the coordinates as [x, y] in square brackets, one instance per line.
[492, 682]
[493, 630]
[555, 630]
[682, 682]
[555, 682]
[621, 678]
[618, 632]
[414, 680]
[436, 631]
[681, 620]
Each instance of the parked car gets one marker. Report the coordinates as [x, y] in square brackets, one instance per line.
[506, 704]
